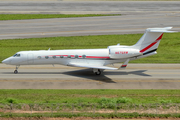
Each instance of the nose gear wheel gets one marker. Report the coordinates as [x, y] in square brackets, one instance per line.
[16, 70]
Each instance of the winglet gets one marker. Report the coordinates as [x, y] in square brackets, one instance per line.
[124, 65]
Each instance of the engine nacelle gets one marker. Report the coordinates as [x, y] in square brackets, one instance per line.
[119, 53]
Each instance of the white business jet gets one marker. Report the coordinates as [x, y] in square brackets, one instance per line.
[97, 59]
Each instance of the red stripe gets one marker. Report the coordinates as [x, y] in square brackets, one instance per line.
[72, 55]
[95, 57]
[159, 38]
[123, 65]
[148, 47]
[152, 44]
[79, 56]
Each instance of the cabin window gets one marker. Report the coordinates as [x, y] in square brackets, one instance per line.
[46, 57]
[76, 56]
[83, 56]
[39, 57]
[61, 56]
[69, 56]
[54, 57]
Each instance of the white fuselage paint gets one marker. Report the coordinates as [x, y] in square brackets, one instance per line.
[86, 56]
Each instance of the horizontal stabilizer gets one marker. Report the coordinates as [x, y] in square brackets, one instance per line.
[161, 30]
[91, 66]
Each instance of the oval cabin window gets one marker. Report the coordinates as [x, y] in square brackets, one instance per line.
[46, 57]
[76, 56]
[54, 57]
[69, 56]
[83, 56]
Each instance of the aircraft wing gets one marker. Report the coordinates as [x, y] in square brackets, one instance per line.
[91, 66]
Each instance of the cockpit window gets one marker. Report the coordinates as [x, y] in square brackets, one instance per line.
[16, 55]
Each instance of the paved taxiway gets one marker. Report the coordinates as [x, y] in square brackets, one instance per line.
[135, 18]
[136, 76]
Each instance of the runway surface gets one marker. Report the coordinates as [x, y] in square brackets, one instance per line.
[75, 6]
[136, 76]
[135, 18]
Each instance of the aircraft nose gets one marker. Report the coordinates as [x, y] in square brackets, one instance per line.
[6, 61]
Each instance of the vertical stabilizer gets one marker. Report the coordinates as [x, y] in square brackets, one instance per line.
[149, 42]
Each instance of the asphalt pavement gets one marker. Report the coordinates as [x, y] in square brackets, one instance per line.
[136, 76]
[135, 17]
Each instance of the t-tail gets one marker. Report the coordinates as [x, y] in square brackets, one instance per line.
[149, 42]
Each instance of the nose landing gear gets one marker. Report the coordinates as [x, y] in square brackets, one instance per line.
[16, 70]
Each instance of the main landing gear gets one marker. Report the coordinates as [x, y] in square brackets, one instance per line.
[16, 70]
[97, 71]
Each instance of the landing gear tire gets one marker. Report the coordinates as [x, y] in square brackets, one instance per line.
[98, 72]
[15, 71]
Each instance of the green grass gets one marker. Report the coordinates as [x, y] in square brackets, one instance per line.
[42, 16]
[168, 51]
[64, 103]
[90, 96]
[87, 115]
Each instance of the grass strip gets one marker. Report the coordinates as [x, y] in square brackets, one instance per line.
[90, 96]
[104, 107]
[93, 115]
[168, 50]
[43, 16]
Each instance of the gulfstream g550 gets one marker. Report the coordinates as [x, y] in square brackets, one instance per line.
[97, 59]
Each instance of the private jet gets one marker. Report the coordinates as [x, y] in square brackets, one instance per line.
[97, 59]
